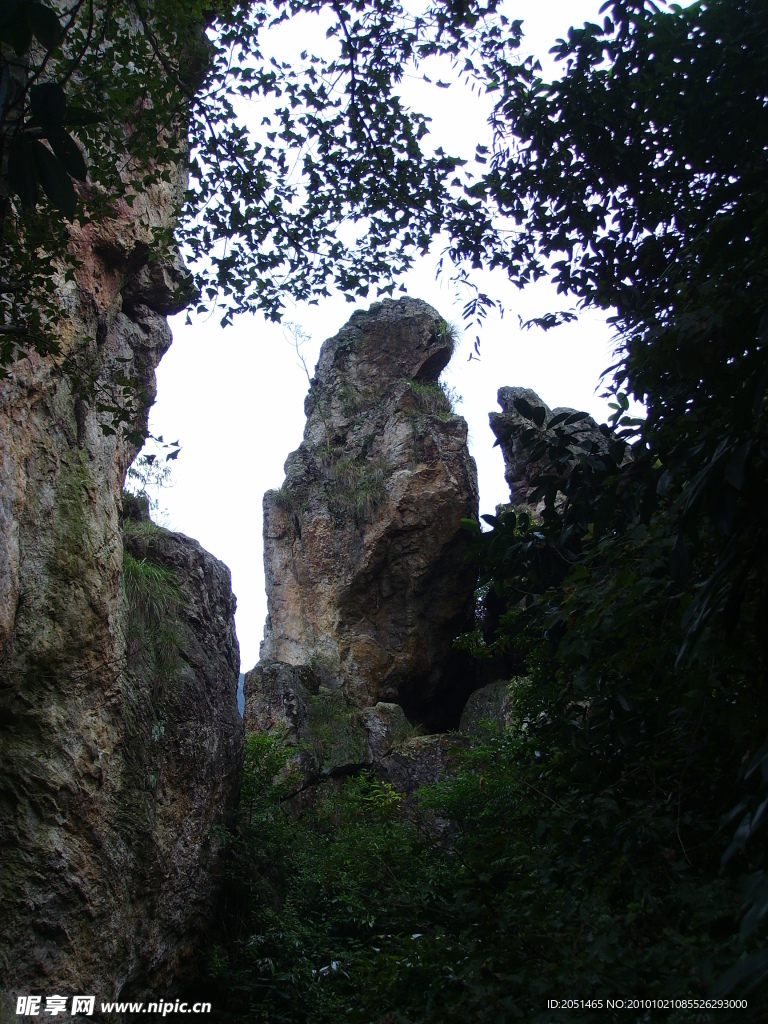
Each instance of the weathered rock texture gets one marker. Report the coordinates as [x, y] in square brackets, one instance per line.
[333, 735]
[420, 761]
[510, 428]
[105, 868]
[490, 708]
[334, 738]
[363, 547]
[184, 741]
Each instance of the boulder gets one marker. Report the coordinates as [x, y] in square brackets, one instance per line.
[489, 709]
[385, 726]
[420, 761]
[277, 698]
[329, 731]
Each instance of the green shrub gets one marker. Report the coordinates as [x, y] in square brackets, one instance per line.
[150, 588]
[508, 882]
[434, 398]
[322, 903]
[448, 332]
[152, 629]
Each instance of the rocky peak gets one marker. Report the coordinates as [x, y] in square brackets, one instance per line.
[373, 357]
[363, 548]
[512, 429]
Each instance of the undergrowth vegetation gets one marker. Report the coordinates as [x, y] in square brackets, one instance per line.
[434, 398]
[539, 866]
[152, 597]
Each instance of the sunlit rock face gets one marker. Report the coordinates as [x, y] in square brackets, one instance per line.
[108, 781]
[363, 547]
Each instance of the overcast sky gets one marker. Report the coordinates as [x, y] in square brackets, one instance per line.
[234, 397]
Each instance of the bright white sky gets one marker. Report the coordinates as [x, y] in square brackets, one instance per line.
[234, 397]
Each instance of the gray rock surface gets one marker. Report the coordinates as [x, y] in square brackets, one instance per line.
[385, 726]
[489, 708]
[185, 738]
[420, 761]
[509, 427]
[277, 698]
[329, 730]
[363, 546]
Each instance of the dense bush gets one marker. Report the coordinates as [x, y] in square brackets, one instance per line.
[545, 865]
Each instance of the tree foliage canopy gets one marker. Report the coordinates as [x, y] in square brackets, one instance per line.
[116, 91]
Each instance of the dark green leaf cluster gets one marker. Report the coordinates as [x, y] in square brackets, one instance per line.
[120, 93]
[324, 896]
[647, 579]
[635, 701]
[621, 193]
[92, 115]
[536, 868]
[337, 146]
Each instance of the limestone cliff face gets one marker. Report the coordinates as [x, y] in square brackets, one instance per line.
[104, 863]
[510, 426]
[363, 547]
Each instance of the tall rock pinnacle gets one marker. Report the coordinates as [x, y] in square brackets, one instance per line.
[363, 547]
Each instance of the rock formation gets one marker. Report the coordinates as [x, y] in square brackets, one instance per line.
[184, 739]
[510, 427]
[108, 779]
[490, 707]
[363, 547]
